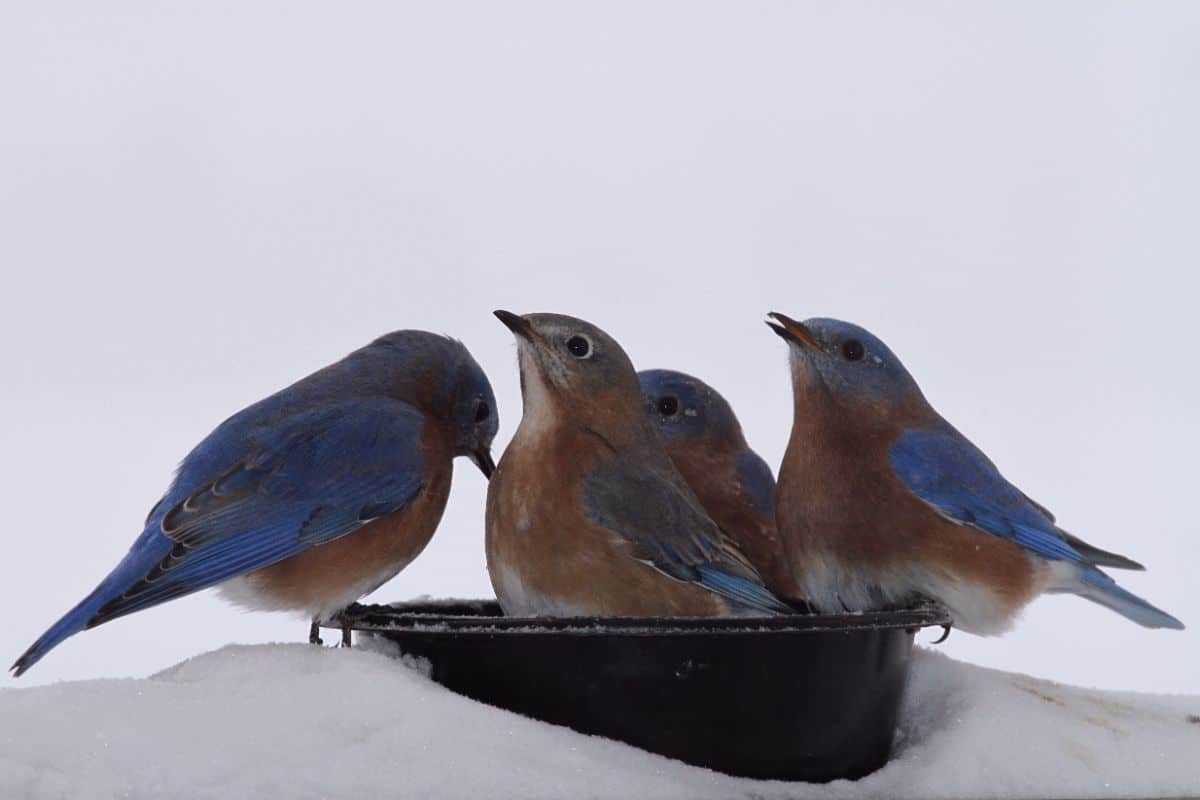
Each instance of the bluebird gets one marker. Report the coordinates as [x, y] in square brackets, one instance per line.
[313, 497]
[586, 515]
[734, 485]
[880, 500]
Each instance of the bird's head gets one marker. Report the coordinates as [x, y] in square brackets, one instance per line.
[842, 361]
[571, 367]
[475, 417]
[438, 375]
[685, 408]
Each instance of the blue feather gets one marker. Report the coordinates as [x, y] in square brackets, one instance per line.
[740, 590]
[1099, 588]
[945, 470]
[651, 509]
[251, 495]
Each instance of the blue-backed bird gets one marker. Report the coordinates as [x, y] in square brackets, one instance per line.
[734, 485]
[586, 514]
[313, 497]
[881, 501]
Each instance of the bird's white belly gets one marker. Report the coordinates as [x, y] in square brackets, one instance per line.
[519, 600]
[835, 587]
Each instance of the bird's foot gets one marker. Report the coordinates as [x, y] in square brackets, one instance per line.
[346, 634]
[354, 612]
[314, 634]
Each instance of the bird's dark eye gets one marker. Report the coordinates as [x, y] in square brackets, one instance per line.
[481, 411]
[853, 350]
[578, 346]
[668, 406]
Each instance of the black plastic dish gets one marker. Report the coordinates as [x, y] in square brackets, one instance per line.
[802, 697]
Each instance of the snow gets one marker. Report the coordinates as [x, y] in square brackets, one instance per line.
[297, 721]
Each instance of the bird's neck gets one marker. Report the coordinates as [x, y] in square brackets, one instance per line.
[433, 384]
[613, 414]
[836, 463]
[826, 424]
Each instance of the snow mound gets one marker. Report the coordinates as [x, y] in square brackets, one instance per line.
[297, 721]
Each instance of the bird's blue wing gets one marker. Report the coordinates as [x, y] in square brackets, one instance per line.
[671, 532]
[263, 486]
[304, 480]
[949, 473]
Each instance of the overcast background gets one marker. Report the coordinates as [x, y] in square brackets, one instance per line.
[201, 204]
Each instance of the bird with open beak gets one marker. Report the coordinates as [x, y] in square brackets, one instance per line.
[313, 497]
[586, 515]
[881, 501]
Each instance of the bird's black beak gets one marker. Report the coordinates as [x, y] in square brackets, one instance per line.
[515, 323]
[792, 331]
[483, 459]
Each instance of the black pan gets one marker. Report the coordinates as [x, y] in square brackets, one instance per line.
[802, 697]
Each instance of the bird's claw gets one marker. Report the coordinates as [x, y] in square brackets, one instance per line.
[945, 634]
[353, 613]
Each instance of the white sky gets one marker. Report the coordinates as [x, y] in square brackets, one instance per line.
[199, 205]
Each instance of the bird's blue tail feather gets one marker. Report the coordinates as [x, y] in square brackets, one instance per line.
[145, 552]
[71, 623]
[1094, 585]
[741, 590]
